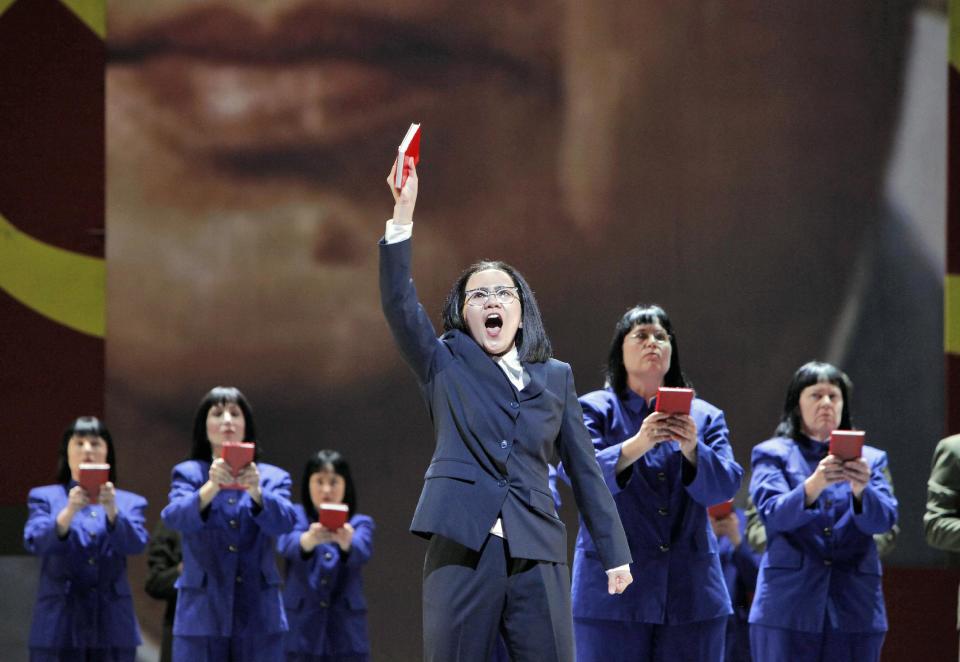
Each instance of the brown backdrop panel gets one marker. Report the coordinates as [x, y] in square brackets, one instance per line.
[51, 157]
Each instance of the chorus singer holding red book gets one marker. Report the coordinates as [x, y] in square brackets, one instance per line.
[501, 408]
[84, 609]
[228, 595]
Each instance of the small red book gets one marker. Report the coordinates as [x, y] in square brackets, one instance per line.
[92, 476]
[409, 147]
[674, 400]
[720, 510]
[333, 515]
[237, 454]
[847, 444]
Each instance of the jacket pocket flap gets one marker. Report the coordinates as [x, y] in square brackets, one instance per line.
[452, 469]
[542, 502]
[784, 557]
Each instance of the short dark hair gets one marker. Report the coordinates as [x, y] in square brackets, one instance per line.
[616, 373]
[330, 460]
[220, 395]
[533, 345]
[85, 426]
[814, 372]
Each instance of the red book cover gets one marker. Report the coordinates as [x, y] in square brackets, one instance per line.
[847, 444]
[409, 147]
[720, 510]
[237, 454]
[674, 400]
[92, 476]
[333, 515]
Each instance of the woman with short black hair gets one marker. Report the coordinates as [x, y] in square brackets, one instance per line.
[228, 601]
[819, 593]
[84, 609]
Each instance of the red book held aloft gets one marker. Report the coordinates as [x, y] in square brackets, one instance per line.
[674, 400]
[237, 454]
[410, 147]
[847, 444]
[333, 515]
[92, 476]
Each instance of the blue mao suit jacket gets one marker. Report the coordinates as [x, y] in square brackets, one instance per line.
[663, 502]
[323, 595]
[83, 598]
[230, 583]
[493, 442]
[821, 562]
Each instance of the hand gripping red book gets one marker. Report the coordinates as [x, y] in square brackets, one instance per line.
[847, 444]
[333, 515]
[410, 147]
[92, 476]
[237, 454]
[674, 400]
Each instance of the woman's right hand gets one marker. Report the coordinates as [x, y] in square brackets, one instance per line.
[317, 534]
[405, 199]
[77, 500]
[220, 473]
[656, 428]
[829, 471]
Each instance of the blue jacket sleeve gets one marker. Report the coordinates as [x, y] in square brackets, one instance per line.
[277, 515]
[878, 505]
[182, 513]
[780, 506]
[362, 547]
[129, 532]
[408, 321]
[717, 475]
[589, 488]
[40, 532]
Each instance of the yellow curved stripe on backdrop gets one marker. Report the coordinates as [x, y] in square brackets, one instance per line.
[66, 287]
[951, 314]
[5, 5]
[91, 12]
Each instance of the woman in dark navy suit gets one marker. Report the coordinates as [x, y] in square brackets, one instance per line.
[502, 409]
[323, 596]
[228, 596]
[819, 593]
[84, 610]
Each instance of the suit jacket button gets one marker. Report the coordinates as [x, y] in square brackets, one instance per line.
[327, 556]
[232, 500]
[323, 604]
[93, 535]
[827, 562]
[664, 548]
[827, 532]
[324, 581]
[233, 524]
[662, 511]
[93, 513]
[232, 548]
[501, 483]
[661, 476]
[239, 579]
[92, 561]
[504, 443]
[514, 405]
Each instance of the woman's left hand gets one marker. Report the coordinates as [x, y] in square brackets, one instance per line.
[858, 473]
[249, 477]
[684, 430]
[108, 499]
[343, 537]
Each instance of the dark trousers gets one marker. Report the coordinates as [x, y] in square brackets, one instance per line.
[469, 596]
[770, 644]
[605, 641]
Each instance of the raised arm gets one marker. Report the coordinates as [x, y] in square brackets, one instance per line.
[409, 322]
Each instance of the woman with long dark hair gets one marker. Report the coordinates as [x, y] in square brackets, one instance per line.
[664, 470]
[501, 408]
[84, 610]
[228, 601]
[323, 595]
[819, 595]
